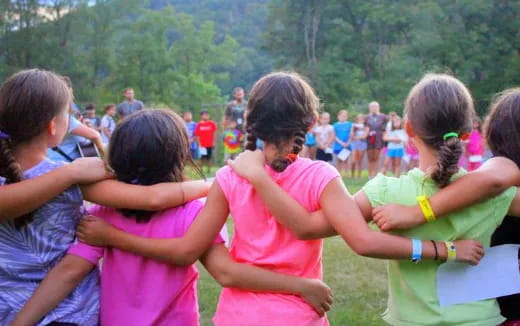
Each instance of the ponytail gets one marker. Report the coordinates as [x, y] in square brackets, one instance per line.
[449, 154]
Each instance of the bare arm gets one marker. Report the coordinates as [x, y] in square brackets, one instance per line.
[229, 273]
[24, 197]
[178, 251]
[345, 215]
[160, 196]
[490, 180]
[90, 134]
[332, 138]
[54, 288]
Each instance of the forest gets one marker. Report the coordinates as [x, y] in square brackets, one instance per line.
[188, 55]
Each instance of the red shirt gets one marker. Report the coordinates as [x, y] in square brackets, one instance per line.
[205, 130]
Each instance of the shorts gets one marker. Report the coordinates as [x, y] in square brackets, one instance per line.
[359, 145]
[209, 154]
[194, 153]
[322, 156]
[395, 153]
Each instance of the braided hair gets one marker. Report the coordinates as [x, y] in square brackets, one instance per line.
[29, 100]
[440, 104]
[282, 107]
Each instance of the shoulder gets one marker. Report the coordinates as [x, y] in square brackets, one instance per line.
[316, 169]
[376, 190]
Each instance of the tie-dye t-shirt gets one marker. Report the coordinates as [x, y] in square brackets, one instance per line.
[232, 140]
[29, 253]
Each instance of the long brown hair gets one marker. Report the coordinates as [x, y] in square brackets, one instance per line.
[440, 104]
[281, 108]
[29, 100]
[502, 128]
[149, 147]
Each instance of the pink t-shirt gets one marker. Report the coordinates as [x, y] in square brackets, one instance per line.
[140, 291]
[475, 144]
[261, 241]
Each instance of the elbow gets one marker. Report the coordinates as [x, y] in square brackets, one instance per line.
[224, 276]
[69, 273]
[362, 245]
[497, 185]
[306, 235]
[184, 257]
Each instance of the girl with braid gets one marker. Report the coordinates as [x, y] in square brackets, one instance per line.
[282, 107]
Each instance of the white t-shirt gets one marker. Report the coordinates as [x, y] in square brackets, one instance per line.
[398, 133]
[323, 133]
[107, 122]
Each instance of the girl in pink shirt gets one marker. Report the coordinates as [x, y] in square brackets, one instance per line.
[151, 147]
[475, 146]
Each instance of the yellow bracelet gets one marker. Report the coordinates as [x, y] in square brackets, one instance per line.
[452, 251]
[426, 208]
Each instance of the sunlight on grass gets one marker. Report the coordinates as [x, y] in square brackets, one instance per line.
[359, 284]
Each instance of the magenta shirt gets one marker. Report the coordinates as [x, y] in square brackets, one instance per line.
[261, 241]
[475, 144]
[140, 291]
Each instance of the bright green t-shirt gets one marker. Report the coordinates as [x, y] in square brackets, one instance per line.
[412, 290]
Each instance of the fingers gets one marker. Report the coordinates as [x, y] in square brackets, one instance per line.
[319, 310]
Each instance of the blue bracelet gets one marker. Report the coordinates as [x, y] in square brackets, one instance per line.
[416, 250]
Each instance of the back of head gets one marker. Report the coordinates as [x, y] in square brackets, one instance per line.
[502, 128]
[149, 147]
[282, 106]
[437, 106]
[29, 101]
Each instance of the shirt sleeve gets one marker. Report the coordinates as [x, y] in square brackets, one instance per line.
[89, 253]
[105, 123]
[324, 174]
[375, 190]
[73, 124]
[224, 179]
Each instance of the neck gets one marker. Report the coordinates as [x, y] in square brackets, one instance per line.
[427, 157]
[30, 153]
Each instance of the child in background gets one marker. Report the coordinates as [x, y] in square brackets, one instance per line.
[342, 130]
[387, 161]
[358, 144]
[232, 138]
[412, 155]
[190, 128]
[309, 147]
[396, 139]
[154, 293]
[107, 123]
[438, 107]
[91, 119]
[205, 133]
[325, 138]
[276, 191]
[475, 146]
[36, 235]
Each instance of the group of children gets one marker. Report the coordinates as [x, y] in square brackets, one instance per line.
[149, 229]
[202, 138]
[345, 142]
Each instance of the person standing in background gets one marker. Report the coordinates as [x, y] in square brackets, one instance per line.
[205, 133]
[190, 127]
[90, 118]
[107, 123]
[236, 109]
[129, 105]
[376, 123]
[325, 138]
[342, 130]
[387, 161]
[475, 146]
[232, 138]
[358, 145]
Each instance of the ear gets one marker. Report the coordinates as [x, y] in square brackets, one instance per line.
[51, 127]
[409, 129]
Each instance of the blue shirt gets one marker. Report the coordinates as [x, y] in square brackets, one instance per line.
[29, 253]
[342, 130]
[69, 145]
[310, 139]
[190, 128]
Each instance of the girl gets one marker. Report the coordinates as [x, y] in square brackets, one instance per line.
[503, 138]
[325, 138]
[342, 130]
[34, 114]
[412, 154]
[107, 123]
[358, 144]
[309, 148]
[376, 123]
[396, 138]
[436, 105]
[139, 291]
[475, 146]
[281, 109]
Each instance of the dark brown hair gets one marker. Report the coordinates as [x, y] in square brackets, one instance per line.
[29, 100]
[282, 106]
[109, 106]
[502, 128]
[437, 105]
[149, 147]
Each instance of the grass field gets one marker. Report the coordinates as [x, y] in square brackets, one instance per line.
[359, 284]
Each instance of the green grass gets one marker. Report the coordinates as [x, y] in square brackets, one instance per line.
[359, 284]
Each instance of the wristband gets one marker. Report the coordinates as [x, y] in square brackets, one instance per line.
[426, 208]
[416, 250]
[452, 251]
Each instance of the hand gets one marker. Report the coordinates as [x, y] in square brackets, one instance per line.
[394, 216]
[88, 170]
[95, 231]
[318, 295]
[469, 251]
[249, 165]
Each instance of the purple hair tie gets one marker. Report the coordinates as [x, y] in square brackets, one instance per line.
[135, 181]
[4, 136]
